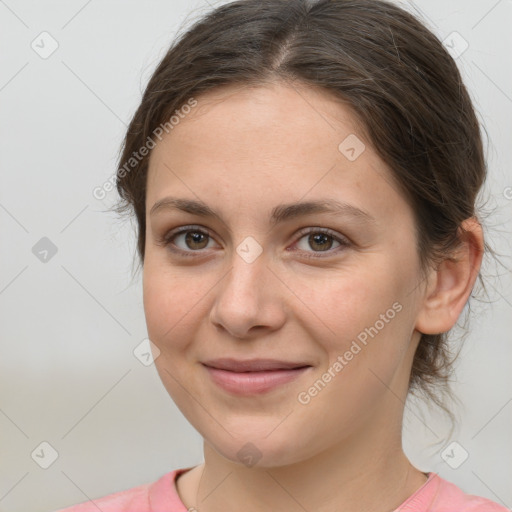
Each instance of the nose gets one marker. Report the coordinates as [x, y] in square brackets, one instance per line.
[249, 300]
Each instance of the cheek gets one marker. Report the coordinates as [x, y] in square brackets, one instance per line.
[363, 356]
[363, 318]
[171, 311]
[344, 304]
[171, 306]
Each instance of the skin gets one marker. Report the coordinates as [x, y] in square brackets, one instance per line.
[244, 151]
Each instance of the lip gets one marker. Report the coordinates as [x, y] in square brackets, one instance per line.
[255, 381]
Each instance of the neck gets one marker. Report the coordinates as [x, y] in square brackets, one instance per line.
[353, 476]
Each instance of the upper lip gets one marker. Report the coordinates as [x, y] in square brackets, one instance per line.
[252, 365]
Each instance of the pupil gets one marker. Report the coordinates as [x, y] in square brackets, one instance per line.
[194, 237]
[321, 237]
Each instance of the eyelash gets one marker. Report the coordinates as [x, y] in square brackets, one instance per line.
[166, 241]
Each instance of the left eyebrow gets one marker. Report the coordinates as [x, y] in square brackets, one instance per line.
[289, 211]
[281, 213]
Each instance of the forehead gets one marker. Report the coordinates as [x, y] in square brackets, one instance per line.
[292, 109]
[240, 120]
[275, 142]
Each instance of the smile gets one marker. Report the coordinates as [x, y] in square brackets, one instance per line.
[253, 382]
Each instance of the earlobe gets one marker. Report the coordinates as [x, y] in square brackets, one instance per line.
[451, 284]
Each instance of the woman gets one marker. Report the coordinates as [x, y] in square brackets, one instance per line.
[304, 177]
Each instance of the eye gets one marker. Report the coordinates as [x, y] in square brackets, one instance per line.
[192, 239]
[321, 239]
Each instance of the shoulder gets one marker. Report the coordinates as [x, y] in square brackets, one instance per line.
[451, 498]
[136, 498]
[142, 498]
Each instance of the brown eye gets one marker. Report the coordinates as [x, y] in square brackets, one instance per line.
[186, 241]
[321, 240]
[196, 239]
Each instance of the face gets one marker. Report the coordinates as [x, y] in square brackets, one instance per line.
[334, 291]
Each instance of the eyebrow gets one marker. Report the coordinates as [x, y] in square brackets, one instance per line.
[280, 213]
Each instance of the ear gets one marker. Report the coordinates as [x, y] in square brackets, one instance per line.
[450, 285]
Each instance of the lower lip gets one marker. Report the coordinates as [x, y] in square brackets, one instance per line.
[253, 383]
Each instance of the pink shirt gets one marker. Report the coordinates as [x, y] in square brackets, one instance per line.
[435, 495]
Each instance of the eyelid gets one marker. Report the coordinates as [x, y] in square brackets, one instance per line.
[318, 229]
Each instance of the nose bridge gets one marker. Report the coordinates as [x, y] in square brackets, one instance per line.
[244, 299]
[247, 274]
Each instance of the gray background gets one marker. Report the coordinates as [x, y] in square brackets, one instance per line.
[68, 375]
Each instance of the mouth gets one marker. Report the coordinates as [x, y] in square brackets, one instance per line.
[254, 376]
[253, 365]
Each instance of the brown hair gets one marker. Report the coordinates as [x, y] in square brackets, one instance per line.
[404, 87]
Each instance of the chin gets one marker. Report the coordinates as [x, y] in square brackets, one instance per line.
[264, 451]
